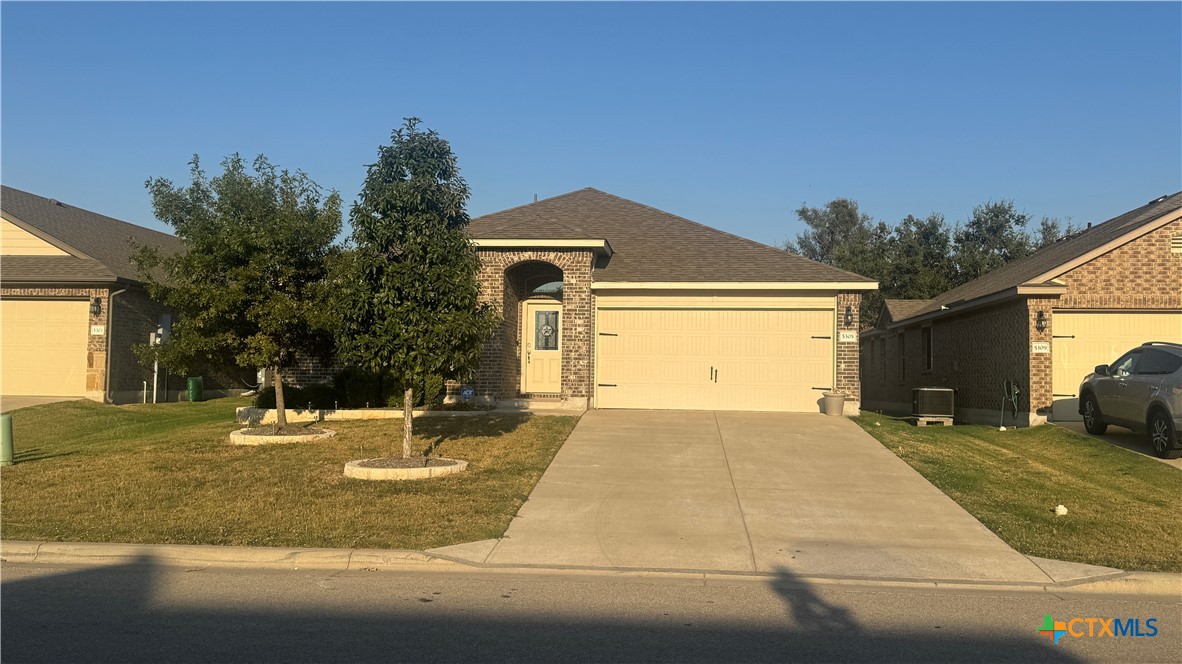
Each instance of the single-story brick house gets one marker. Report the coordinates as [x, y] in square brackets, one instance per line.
[71, 305]
[608, 303]
[1042, 322]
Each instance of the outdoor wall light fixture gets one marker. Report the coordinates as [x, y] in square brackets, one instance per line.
[1040, 321]
[96, 306]
[849, 315]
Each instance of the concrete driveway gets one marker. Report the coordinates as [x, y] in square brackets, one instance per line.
[11, 403]
[746, 492]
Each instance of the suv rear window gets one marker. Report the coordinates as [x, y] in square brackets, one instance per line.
[1156, 362]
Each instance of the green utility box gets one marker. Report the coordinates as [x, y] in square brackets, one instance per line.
[5, 440]
[196, 389]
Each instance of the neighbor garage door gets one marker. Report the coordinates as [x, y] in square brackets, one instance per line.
[44, 347]
[714, 359]
[1083, 340]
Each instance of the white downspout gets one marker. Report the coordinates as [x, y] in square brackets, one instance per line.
[110, 334]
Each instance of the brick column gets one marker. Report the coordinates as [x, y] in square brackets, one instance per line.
[1038, 401]
[848, 372]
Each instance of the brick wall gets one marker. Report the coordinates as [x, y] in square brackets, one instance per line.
[973, 353]
[848, 360]
[135, 318]
[1039, 392]
[499, 375]
[1142, 274]
[310, 370]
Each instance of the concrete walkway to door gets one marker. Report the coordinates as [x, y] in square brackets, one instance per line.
[747, 492]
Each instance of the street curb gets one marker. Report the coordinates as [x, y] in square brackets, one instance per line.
[189, 555]
[212, 556]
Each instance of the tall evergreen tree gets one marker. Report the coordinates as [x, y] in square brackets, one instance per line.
[408, 295]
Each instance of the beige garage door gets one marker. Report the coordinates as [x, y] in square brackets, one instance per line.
[714, 359]
[1083, 340]
[44, 347]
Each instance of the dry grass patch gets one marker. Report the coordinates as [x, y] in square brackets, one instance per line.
[1122, 507]
[167, 474]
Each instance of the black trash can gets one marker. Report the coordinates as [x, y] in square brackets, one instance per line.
[196, 389]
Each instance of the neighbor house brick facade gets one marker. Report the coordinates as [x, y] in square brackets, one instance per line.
[1041, 322]
[73, 305]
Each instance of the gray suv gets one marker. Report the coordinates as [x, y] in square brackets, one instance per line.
[1141, 391]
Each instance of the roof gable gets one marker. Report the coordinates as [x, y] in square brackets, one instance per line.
[650, 245]
[99, 245]
[1056, 258]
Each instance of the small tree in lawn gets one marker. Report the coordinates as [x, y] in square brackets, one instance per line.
[408, 304]
[249, 284]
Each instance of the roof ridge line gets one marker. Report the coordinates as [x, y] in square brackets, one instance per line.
[525, 205]
[53, 201]
[728, 234]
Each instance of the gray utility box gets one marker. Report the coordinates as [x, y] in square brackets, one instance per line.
[933, 402]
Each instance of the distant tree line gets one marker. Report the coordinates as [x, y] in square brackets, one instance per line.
[919, 258]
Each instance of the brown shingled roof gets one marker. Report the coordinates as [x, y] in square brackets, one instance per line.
[652, 245]
[103, 241]
[1051, 257]
[900, 309]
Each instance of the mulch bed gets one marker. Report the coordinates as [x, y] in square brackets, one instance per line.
[413, 462]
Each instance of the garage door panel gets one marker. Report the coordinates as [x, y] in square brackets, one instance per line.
[44, 347]
[714, 359]
[1083, 340]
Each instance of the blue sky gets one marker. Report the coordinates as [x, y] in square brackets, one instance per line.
[732, 115]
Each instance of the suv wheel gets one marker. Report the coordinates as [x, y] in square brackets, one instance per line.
[1091, 416]
[1162, 436]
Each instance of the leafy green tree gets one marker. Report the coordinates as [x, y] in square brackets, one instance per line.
[1050, 231]
[919, 258]
[840, 235]
[408, 293]
[994, 235]
[248, 284]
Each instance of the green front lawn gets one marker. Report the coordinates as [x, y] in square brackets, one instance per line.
[167, 474]
[1123, 508]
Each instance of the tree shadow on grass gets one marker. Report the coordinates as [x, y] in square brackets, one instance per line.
[437, 430]
[133, 613]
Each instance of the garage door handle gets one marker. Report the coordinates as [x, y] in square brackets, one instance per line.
[1069, 396]
[822, 388]
[606, 385]
[608, 334]
[821, 337]
[1062, 336]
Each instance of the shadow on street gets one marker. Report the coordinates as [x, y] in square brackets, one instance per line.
[108, 614]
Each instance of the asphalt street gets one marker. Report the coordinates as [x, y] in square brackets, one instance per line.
[144, 612]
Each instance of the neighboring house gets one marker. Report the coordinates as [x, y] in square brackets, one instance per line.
[608, 303]
[1043, 322]
[71, 305]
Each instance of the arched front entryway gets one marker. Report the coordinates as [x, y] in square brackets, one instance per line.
[536, 288]
[544, 299]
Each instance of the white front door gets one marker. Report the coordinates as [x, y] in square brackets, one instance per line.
[541, 348]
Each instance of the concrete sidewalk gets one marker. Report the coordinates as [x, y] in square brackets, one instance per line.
[9, 403]
[746, 492]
